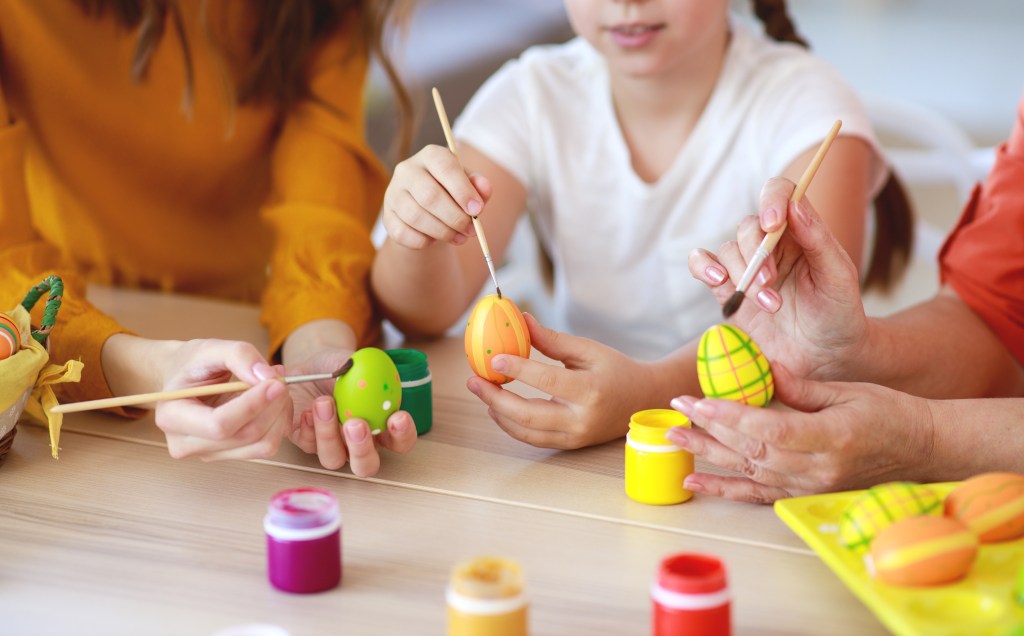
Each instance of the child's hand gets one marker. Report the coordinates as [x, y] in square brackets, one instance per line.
[804, 308]
[317, 429]
[592, 398]
[430, 198]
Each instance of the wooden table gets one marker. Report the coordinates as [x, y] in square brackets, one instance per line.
[118, 538]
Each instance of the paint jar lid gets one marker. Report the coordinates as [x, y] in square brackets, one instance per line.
[650, 426]
[487, 577]
[411, 363]
[303, 508]
[692, 573]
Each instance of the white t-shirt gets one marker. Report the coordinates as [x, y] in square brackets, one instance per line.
[619, 245]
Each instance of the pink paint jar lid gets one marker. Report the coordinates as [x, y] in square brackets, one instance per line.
[691, 573]
[303, 509]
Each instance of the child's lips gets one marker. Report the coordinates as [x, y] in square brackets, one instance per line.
[634, 35]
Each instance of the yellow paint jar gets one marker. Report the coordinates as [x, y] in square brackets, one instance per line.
[485, 598]
[655, 467]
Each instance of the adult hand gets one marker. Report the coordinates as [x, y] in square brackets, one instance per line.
[592, 396]
[317, 429]
[247, 425]
[839, 436]
[431, 198]
[804, 307]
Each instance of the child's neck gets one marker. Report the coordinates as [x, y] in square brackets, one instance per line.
[657, 115]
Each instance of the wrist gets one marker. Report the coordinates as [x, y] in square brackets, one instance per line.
[134, 365]
[316, 336]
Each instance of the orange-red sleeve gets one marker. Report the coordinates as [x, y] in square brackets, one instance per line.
[327, 190]
[983, 259]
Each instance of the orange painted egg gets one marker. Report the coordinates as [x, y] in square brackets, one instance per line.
[495, 326]
[10, 337]
[730, 366]
[923, 551]
[880, 506]
[991, 505]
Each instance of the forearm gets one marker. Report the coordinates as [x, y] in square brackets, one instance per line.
[938, 349]
[423, 292]
[975, 436]
[316, 336]
[675, 375]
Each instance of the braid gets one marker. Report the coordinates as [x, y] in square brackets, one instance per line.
[776, 21]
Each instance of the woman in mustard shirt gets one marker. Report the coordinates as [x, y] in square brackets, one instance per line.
[201, 148]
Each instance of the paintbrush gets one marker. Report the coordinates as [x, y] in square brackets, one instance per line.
[772, 238]
[190, 392]
[443, 116]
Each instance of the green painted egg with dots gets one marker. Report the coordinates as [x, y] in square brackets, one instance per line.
[370, 390]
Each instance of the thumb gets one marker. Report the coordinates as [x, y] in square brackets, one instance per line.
[565, 348]
[483, 186]
[798, 393]
[829, 263]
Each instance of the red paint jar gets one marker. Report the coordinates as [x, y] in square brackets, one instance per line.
[303, 527]
[691, 597]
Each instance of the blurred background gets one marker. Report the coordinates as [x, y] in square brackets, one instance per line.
[941, 80]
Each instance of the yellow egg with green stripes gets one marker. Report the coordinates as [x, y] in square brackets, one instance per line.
[881, 506]
[730, 366]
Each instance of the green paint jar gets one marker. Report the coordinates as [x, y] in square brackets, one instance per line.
[416, 387]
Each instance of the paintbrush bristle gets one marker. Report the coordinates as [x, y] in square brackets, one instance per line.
[733, 304]
[498, 289]
[343, 369]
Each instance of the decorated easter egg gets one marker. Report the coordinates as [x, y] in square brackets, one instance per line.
[923, 551]
[730, 366]
[880, 506]
[495, 326]
[10, 337]
[991, 505]
[370, 390]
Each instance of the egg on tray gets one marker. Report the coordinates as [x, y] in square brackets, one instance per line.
[920, 551]
[880, 506]
[991, 505]
[730, 366]
[495, 326]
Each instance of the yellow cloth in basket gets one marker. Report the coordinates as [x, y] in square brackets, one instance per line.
[27, 369]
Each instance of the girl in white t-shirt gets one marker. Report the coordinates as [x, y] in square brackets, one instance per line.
[646, 137]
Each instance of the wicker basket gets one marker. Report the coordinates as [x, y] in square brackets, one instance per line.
[11, 413]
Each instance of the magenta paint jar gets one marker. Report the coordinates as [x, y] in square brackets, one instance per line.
[303, 527]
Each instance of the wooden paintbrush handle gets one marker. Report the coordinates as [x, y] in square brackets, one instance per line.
[144, 398]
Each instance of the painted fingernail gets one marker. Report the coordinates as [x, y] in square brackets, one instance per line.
[324, 409]
[398, 426]
[693, 484]
[683, 404]
[474, 207]
[714, 274]
[356, 431]
[769, 218]
[767, 299]
[499, 363]
[263, 371]
[762, 277]
[677, 435]
[705, 408]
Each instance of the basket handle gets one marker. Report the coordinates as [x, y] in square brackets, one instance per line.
[55, 286]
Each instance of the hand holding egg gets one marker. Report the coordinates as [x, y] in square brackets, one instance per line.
[370, 390]
[730, 366]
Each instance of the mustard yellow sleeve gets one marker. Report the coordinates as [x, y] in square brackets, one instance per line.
[326, 194]
[26, 259]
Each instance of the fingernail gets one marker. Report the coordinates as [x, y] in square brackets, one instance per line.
[693, 484]
[768, 300]
[474, 207]
[762, 277]
[705, 408]
[275, 390]
[683, 404]
[677, 435]
[473, 387]
[769, 219]
[801, 213]
[263, 371]
[324, 409]
[356, 431]
[714, 274]
[498, 363]
[459, 239]
[398, 426]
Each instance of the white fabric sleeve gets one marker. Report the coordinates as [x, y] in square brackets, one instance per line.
[496, 120]
[802, 109]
